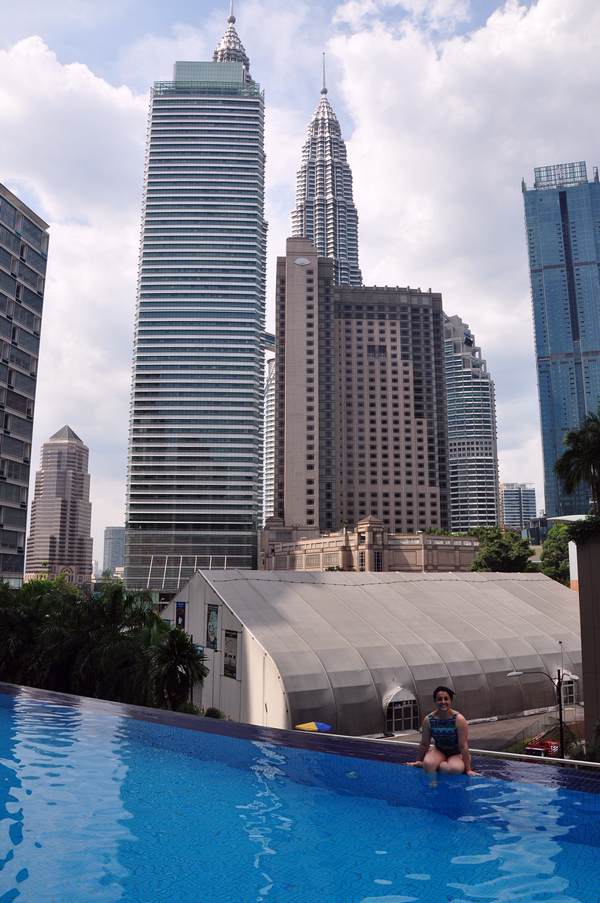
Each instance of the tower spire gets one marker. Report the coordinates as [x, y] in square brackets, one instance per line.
[230, 49]
[327, 216]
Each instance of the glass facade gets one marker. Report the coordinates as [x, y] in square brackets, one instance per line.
[562, 217]
[23, 255]
[518, 505]
[472, 444]
[269, 443]
[195, 447]
[114, 549]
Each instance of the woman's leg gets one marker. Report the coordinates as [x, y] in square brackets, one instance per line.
[453, 765]
[433, 759]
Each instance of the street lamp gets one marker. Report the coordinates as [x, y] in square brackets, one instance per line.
[557, 684]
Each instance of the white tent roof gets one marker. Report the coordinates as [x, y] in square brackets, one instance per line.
[345, 642]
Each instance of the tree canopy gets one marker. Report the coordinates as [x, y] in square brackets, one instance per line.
[555, 554]
[110, 644]
[501, 550]
[580, 462]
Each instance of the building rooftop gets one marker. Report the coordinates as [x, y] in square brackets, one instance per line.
[342, 641]
[66, 434]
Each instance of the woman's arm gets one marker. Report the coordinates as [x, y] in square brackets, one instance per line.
[462, 729]
[425, 741]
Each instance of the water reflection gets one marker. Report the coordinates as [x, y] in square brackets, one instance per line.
[263, 817]
[522, 859]
[46, 753]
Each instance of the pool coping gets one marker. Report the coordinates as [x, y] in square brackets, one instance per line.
[568, 773]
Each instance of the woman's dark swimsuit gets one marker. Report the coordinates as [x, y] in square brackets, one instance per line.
[444, 734]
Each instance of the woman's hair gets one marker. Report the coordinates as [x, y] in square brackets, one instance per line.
[445, 690]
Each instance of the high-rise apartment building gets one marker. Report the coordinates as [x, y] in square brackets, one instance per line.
[518, 505]
[269, 443]
[360, 406]
[114, 549]
[23, 256]
[562, 217]
[325, 211]
[472, 438]
[61, 512]
[195, 448]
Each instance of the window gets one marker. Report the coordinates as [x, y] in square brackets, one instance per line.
[568, 692]
[361, 561]
[402, 715]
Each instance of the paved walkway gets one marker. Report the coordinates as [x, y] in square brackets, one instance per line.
[496, 735]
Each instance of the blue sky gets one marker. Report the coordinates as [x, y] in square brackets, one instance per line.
[445, 105]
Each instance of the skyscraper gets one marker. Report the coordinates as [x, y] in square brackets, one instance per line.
[360, 409]
[472, 443]
[269, 446]
[562, 217]
[114, 549]
[325, 211]
[61, 512]
[518, 504]
[195, 446]
[23, 255]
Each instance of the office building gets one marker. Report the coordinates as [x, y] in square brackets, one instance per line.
[360, 414]
[472, 442]
[325, 211]
[194, 494]
[517, 502]
[23, 257]
[114, 549]
[59, 540]
[269, 443]
[562, 216]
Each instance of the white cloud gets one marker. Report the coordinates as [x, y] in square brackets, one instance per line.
[72, 145]
[444, 131]
[442, 15]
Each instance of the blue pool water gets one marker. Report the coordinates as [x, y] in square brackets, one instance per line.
[95, 806]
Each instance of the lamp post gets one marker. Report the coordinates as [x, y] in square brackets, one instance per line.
[557, 684]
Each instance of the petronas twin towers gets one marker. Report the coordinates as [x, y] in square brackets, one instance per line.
[325, 210]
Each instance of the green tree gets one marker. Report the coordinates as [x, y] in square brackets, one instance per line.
[580, 462]
[501, 550]
[175, 665]
[110, 644]
[555, 554]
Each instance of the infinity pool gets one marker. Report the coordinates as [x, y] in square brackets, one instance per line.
[99, 806]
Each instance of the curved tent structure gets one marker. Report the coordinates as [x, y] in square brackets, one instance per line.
[344, 645]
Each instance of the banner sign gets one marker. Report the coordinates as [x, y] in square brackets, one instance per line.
[212, 622]
[230, 654]
[180, 615]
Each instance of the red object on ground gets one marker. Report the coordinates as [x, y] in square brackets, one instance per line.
[549, 748]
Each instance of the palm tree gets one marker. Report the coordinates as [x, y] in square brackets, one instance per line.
[580, 463]
[176, 664]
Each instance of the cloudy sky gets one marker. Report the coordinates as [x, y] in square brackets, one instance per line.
[445, 106]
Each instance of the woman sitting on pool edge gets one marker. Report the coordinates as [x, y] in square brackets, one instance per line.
[450, 734]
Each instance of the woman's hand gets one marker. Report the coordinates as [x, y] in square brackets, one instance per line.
[473, 774]
[416, 764]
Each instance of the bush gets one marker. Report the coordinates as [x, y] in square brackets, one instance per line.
[213, 712]
[188, 708]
